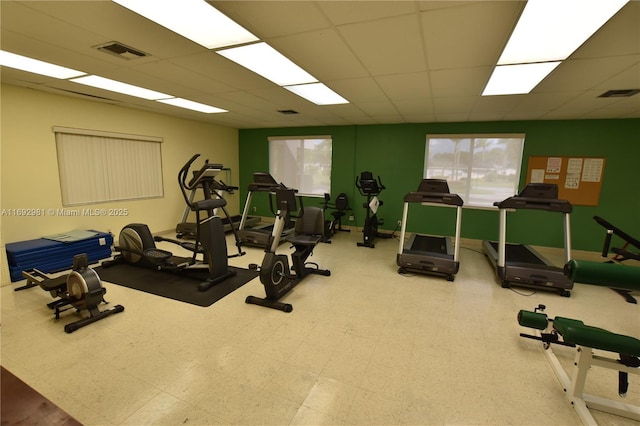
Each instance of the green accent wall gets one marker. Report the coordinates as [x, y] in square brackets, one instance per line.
[395, 152]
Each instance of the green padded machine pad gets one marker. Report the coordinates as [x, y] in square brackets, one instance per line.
[577, 333]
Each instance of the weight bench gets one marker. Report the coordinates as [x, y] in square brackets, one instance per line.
[586, 339]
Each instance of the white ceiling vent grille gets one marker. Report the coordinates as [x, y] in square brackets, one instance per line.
[120, 50]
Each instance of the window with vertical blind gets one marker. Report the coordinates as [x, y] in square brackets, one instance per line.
[98, 167]
[302, 162]
[481, 169]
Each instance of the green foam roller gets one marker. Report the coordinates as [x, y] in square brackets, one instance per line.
[532, 319]
[604, 274]
[598, 338]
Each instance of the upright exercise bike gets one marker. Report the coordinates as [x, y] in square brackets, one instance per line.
[276, 276]
[136, 245]
[371, 188]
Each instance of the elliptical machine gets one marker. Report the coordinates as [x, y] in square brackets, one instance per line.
[137, 245]
[276, 276]
[371, 188]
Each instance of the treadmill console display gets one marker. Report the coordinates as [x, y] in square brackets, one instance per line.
[540, 190]
[434, 185]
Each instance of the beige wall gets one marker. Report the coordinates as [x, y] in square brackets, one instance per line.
[29, 170]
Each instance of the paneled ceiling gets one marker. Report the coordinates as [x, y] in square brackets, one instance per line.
[395, 61]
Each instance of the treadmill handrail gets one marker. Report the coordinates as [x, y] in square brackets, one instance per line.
[553, 205]
[434, 197]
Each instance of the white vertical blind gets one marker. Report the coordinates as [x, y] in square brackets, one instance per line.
[481, 168]
[97, 167]
[302, 162]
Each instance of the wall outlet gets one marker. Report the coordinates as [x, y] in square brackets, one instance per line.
[352, 218]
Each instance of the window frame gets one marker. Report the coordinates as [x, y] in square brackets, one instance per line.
[278, 176]
[97, 167]
[473, 137]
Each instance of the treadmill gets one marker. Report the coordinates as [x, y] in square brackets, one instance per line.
[429, 254]
[204, 179]
[232, 222]
[521, 265]
[260, 234]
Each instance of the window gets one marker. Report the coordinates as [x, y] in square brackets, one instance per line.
[481, 169]
[97, 167]
[302, 162]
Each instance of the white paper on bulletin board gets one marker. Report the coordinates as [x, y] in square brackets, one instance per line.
[572, 181]
[554, 164]
[537, 176]
[574, 165]
[592, 171]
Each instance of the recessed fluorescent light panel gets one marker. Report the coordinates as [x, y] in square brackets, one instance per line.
[35, 66]
[269, 63]
[551, 30]
[116, 86]
[317, 93]
[195, 106]
[193, 19]
[517, 79]
[548, 32]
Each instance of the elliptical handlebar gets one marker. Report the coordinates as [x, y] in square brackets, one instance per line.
[182, 179]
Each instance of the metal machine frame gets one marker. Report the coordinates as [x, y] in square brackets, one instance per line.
[539, 273]
[260, 234]
[433, 192]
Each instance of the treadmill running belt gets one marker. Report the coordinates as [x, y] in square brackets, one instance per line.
[425, 243]
[516, 253]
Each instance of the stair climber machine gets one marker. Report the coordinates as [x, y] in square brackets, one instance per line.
[371, 188]
[275, 274]
[136, 245]
[521, 265]
[259, 235]
[430, 254]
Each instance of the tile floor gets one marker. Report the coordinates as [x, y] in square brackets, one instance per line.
[365, 346]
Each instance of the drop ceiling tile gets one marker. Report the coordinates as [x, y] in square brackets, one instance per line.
[387, 46]
[358, 90]
[405, 86]
[459, 82]
[322, 53]
[583, 74]
[477, 38]
[347, 12]
[268, 19]
[619, 36]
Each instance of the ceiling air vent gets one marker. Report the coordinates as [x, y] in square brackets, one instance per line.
[288, 111]
[120, 50]
[625, 93]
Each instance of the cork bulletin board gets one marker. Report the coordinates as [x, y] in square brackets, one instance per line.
[579, 179]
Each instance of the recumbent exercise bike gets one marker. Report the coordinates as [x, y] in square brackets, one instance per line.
[275, 274]
[136, 245]
[340, 207]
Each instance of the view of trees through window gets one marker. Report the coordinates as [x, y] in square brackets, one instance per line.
[481, 169]
[302, 162]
